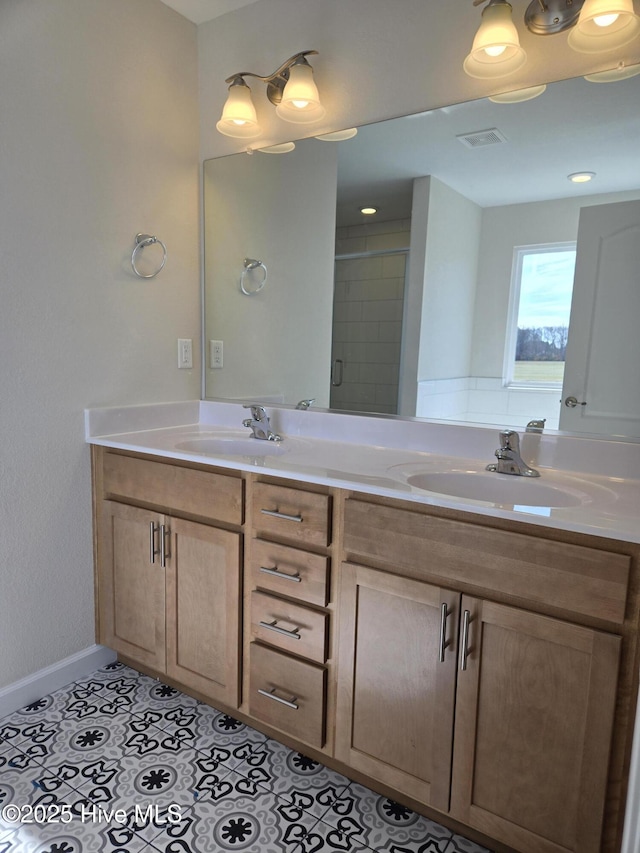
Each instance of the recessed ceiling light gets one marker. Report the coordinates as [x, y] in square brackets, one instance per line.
[368, 211]
[581, 177]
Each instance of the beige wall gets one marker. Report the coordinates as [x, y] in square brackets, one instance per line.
[99, 141]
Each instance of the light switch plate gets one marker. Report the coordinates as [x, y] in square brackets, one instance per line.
[185, 353]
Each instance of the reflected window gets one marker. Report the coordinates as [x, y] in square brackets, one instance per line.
[541, 288]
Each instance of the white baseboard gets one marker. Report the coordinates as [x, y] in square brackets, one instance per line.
[51, 678]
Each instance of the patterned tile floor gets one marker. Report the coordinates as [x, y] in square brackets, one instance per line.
[120, 762]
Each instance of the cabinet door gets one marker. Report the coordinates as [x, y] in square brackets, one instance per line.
[395, 693]
[203, 601]
[132, 594]
[534, 715]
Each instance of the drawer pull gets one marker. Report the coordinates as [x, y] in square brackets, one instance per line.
[271, 694]
[274, 513]
[443, 632]
[464, 651]
[278, 574]
[273, 626]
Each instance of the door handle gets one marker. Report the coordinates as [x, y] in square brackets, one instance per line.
[443, 632]
[153, 551]
[572, 402]
[464, 649]
[337, 373]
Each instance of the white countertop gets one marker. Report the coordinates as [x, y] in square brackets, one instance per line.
[378, 455]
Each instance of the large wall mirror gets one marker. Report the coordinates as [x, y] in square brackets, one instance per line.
[454, 299]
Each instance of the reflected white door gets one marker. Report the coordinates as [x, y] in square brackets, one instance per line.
[601, 390]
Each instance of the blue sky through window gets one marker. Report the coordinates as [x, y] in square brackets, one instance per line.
[545, 288]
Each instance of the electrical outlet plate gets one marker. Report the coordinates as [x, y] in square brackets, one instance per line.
[185, 353]
[216, 354]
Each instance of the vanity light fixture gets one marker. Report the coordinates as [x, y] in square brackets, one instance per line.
[290, 88]
[496, 49]
[581, 177]
[596, 26]
[604, 25]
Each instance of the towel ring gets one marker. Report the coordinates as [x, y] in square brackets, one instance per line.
[143, 240]
[252, 264]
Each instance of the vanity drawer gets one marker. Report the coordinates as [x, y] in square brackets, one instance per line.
[584, 580]
[292, 627]
[291, 513]
[194, 492]
[289, 571]
[288, 694]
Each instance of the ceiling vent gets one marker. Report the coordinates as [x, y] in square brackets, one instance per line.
[482, 138]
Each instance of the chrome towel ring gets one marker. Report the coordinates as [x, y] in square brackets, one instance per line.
[249, 265]
[143, 240]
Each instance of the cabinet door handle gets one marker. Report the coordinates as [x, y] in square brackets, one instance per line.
[278, 574]
[443, 631]
[271, 694]
[153, 529]
[273, 626]
[164, 553]
[274, 513]
[464, 651]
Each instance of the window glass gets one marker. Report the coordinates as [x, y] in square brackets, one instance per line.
[542, 285]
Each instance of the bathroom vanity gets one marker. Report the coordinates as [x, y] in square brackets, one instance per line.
[475, 660]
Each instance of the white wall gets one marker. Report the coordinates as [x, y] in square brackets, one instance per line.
[99, 141]
[279, 209]
[450, 276]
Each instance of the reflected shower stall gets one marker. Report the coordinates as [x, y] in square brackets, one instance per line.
[368, 310]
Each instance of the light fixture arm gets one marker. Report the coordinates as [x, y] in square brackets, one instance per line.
[276, 81]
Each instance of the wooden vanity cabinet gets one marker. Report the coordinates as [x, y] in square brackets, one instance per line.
[169, 587]
[499, 715]
[483, 669]
[287, 621]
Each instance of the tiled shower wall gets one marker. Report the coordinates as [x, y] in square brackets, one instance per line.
[367, 315]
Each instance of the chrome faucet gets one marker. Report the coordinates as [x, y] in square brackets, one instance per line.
[536, 425]
[509, 459]
[259, 424]
[305, 404]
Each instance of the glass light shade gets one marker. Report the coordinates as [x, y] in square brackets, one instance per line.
[496, 49]
[282, 148]
[604, 25]
[339, 135]
[518, 96]
[239, 117]
[300, 100]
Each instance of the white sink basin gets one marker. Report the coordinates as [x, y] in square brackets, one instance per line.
[496, 488]
[233, 444]
[551, 490]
